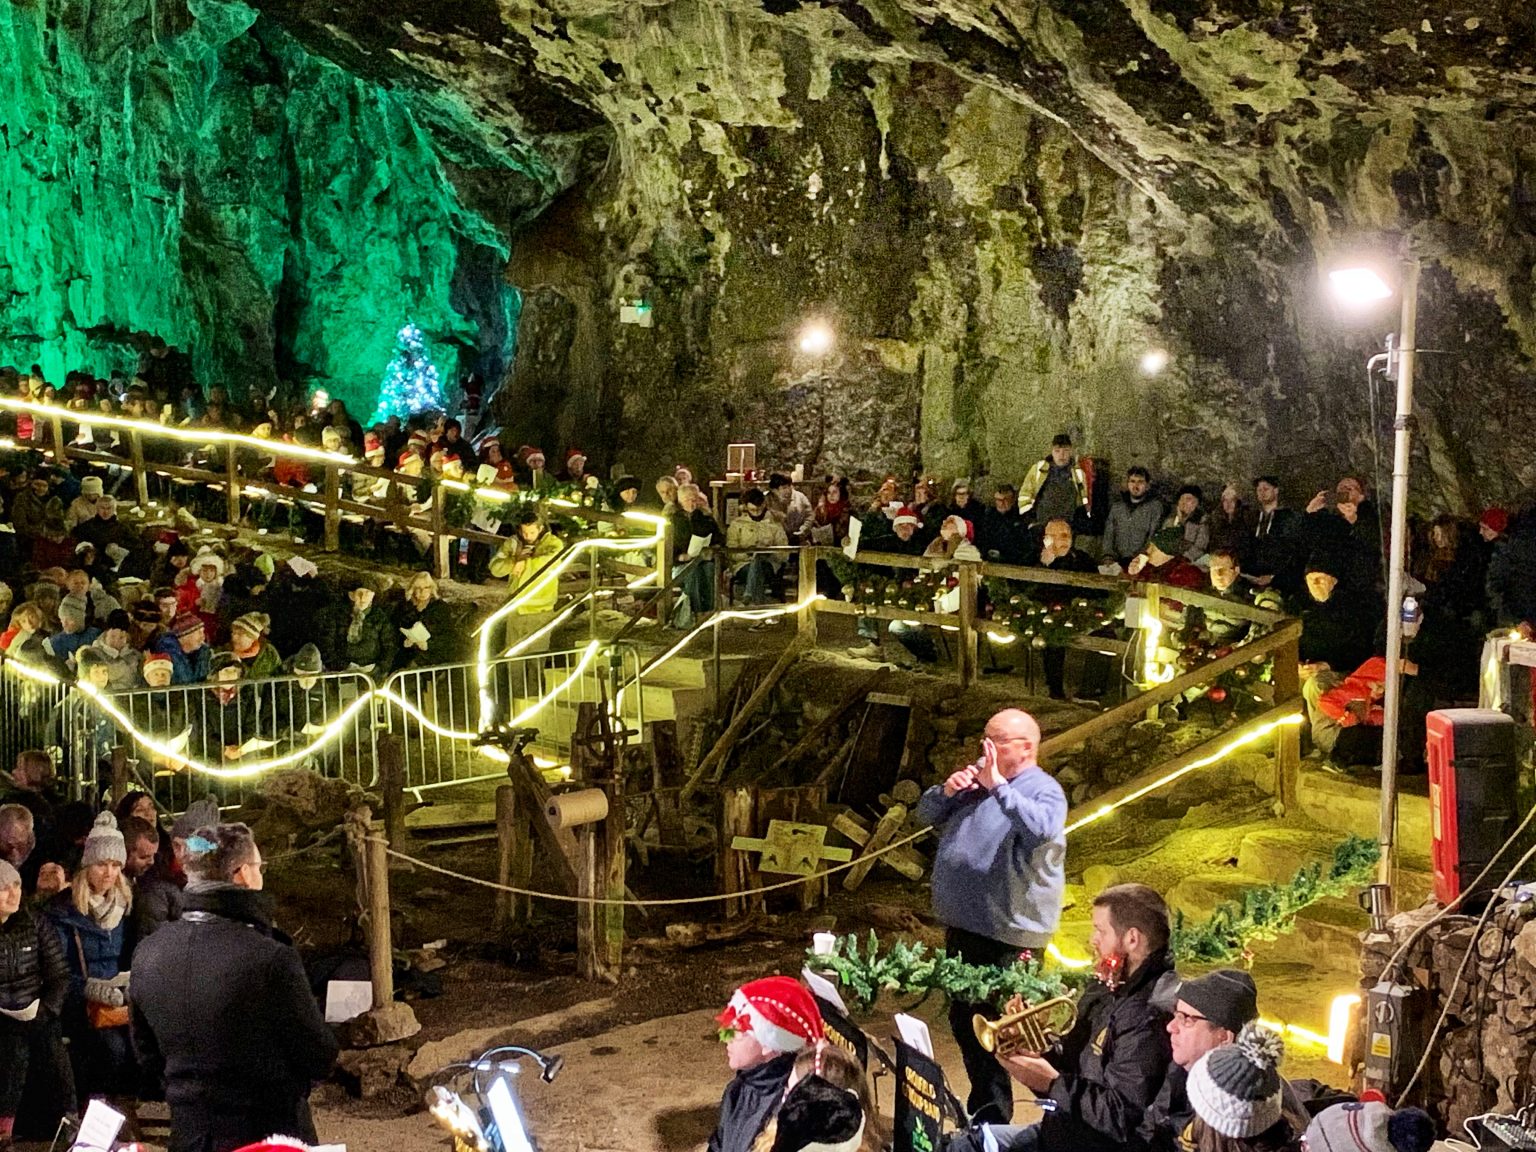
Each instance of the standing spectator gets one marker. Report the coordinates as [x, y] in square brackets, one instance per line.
[1188, 516]
[435, 641]
[1230, 522]
[526, 560]
[453, 442]
[195, 982]
[33, 787]
[91, 919]
[117, 653]
[356, 634]
[156, 895]
[34, 981]
[247, 640]
[998, 876]
[1002, 533]
[1271, 556]
[187, 646]
[1059, 553]
[698, 597]
[1057, 487]
[1511, 581]
[1134, 516]
[789, 504]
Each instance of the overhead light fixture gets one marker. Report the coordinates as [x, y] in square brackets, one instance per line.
[816, 338]
[1358, 286]
[1153, 361]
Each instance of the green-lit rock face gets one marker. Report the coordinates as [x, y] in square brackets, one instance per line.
[998, 207]
[191, 172]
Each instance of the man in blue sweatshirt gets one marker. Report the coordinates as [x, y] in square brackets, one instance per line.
[998, 877]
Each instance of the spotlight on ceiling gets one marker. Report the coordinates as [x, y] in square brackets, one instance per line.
[1153, 361]
[816, 338]
[1358, 286]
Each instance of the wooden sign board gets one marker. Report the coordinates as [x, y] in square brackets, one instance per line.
[792, 849]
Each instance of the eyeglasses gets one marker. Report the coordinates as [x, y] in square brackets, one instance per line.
[1186, 1019]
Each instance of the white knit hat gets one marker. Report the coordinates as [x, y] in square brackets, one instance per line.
[105, 843]
[1235, 1089]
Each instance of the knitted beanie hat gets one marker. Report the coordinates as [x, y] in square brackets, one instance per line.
[1235, 1089]
[258, 624]
[8, 875]
[777, 1011]
[1226, 997]
[1370, 1126]
[104, 843]
[202, 813]
[90, 487]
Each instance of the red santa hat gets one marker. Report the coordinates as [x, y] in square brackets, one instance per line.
[965, 526]
[419, 438]
[907, 516]
[1495, 520]
[777, 1011]
[490, 442]
[408, 454]
[372, 444]
[526, 454]
[575, 454]
[157, 658]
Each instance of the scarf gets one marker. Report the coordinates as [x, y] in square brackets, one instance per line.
[355, 626]
[107, 909]
[208, 595]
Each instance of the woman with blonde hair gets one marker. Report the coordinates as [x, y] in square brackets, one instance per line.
[91, 918]
[1238, 1096]
[816, 1105]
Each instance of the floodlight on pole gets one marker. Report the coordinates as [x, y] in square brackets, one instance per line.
[1360, 286]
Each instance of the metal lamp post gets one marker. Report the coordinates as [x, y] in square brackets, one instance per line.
[1363, 286]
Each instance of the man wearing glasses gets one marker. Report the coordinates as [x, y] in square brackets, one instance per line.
[1210, 1011]
[998, 876]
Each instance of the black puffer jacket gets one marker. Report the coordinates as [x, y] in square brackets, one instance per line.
[1112, 1064]
[32, 964]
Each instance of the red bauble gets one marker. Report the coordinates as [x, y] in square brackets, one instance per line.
[1217, 694]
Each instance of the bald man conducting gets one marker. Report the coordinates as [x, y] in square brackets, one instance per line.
[998, 876]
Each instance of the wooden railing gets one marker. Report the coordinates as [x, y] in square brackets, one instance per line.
[244, 457]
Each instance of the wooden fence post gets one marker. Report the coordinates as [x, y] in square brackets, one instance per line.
[664, 573]
[440, 540]
[507, 843]
[60, 452]
[970, 584]
[332, 511]
[231, 486]
[807, 562]
[381, 949]
[140, 476]
[1287, 680]
[600, 876]
[738, 808]
[392, 786]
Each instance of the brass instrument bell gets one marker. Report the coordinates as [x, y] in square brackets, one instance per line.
[1027, 1032]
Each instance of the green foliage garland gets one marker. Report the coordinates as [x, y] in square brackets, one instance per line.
[1264, 913]
[913, 969]
[1053, 621]
[460, 507]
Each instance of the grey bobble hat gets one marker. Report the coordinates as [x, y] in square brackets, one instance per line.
[105, 843]
[8, 875]
[202, 813]
[1236, 1088]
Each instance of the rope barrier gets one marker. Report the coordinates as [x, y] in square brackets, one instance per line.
[329, 838]
[561, 897]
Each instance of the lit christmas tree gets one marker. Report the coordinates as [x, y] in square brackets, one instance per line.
[410, 383]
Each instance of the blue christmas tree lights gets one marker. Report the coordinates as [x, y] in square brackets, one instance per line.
[411, 383]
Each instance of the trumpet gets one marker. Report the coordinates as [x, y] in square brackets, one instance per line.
[1029, 1031]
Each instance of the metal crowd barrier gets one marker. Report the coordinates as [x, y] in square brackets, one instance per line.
[240, 724]
[550, 685]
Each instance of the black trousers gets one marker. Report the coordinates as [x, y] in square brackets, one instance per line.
[991, 1097]
[222, 1126]
[37, 1085]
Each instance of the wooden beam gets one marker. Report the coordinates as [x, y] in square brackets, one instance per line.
[807, 566]
[885, 831]
[1151, 776]
[1287, 681]
[970, 584]
[714, 760]
[861, 691]
[1133, 708]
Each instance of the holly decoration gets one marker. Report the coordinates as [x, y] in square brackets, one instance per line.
[911, 968]
[461, 506]
[1045, 617]
[1266, 912]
